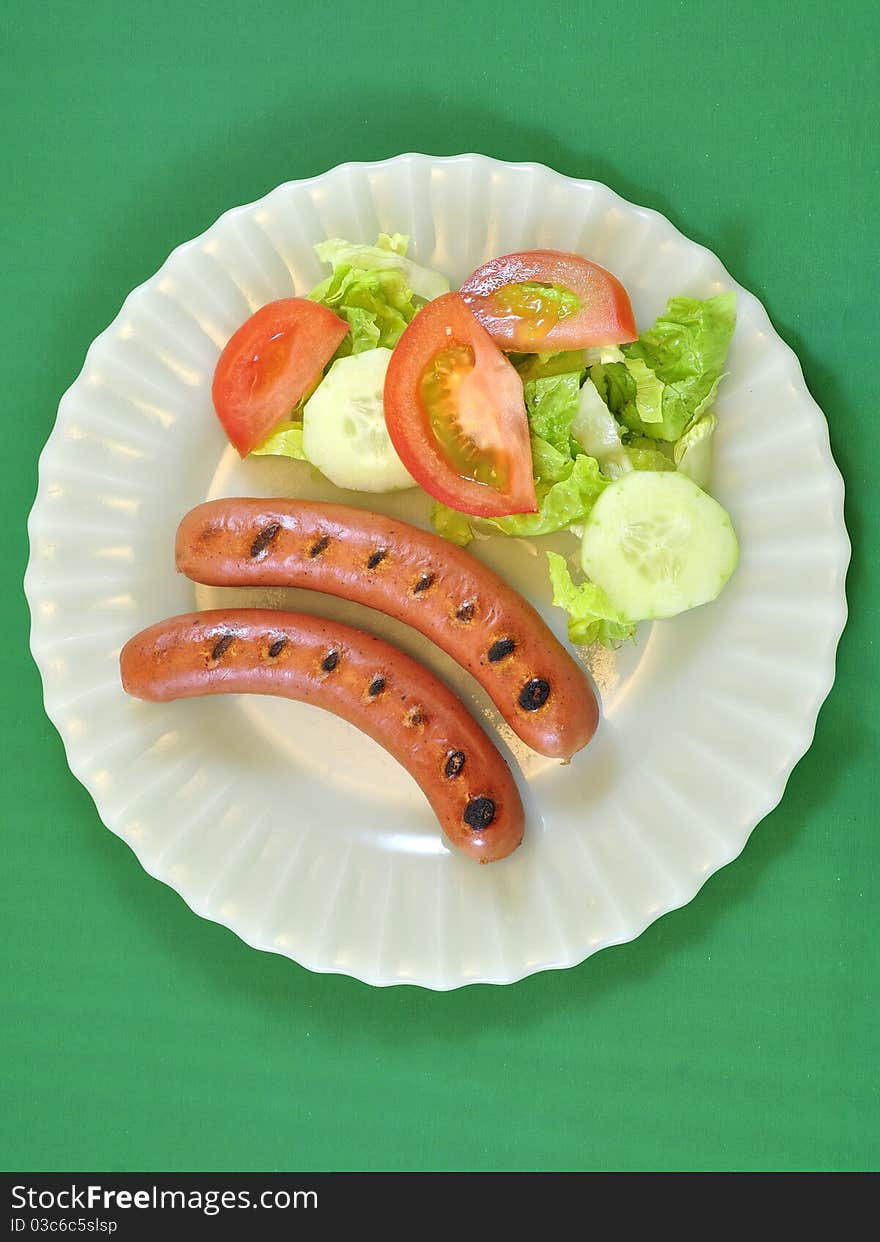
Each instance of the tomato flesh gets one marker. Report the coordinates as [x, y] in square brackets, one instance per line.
[274, 359]
[542, 306]
[455, 421]
[546, 300]
[456, 416]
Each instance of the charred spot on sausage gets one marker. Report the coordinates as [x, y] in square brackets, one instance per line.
[222, 645]
[319, 546]
[534, 694]
[331, 659]
[423, 583]
[454, 764]
[264, 538]
[503, 647]
[377, 558]
[414, 717]
[479, 813]
[377, 685]
[466, 611]
[277, 647]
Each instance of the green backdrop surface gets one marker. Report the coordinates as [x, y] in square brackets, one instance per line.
[740, 1032]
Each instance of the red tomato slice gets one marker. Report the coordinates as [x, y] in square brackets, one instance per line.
[273, 359]
[455, 413]
[585, 306]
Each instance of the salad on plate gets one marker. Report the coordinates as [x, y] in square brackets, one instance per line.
[528, 402]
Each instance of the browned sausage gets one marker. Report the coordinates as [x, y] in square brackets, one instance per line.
[391, 697]
[416, 577]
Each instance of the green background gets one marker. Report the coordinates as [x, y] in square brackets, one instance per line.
[738, 1033]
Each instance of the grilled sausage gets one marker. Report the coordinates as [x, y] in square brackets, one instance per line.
[391, 697]
[420, 579]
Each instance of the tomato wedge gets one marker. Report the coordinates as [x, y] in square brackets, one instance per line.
[273, 359]
[546, 300]
[455, 413]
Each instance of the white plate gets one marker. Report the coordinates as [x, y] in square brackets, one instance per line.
[287, 825]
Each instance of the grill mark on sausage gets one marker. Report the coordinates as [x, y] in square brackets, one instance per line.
[331, 659]
[214, 530]
[464, 596]
[479, 813]
[499, 649]
[430, 732]
[222, 645]
[426, 580]
[260, 545]
[377, 685]
[454, 763]
[534, 694]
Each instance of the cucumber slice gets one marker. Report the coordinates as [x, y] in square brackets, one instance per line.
[657, 545]
[344, 431]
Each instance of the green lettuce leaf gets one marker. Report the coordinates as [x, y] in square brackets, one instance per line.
[688, 344]
[693, 452]
[566, 489]
[452, 525]
[377, 290]
[598, 354]
[645, 454]
[560, 504]
[377, 303]
[548, 464]
[649, 391]
[285, 441]
[598, 433]
[552, 403]
[591, 615]
[398, 243]
[685, 351]
[542, 366]
[388, 254]
[617, 388]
